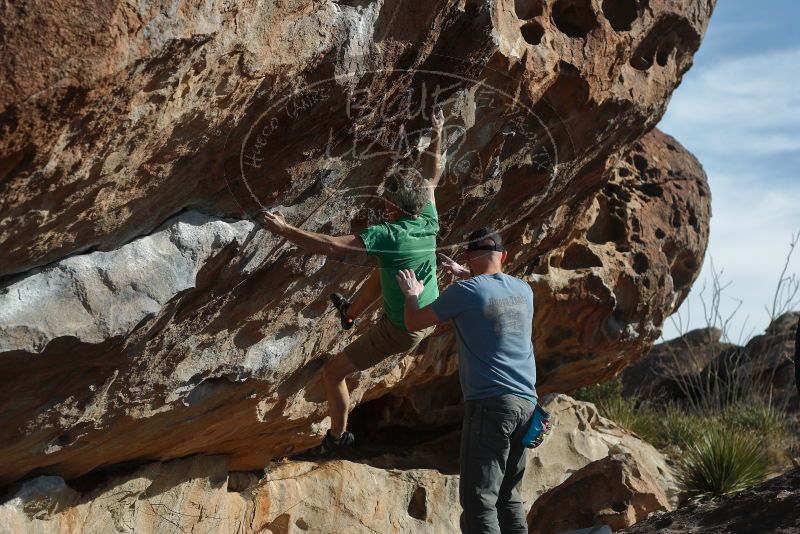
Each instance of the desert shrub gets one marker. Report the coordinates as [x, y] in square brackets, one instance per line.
[759, 416]
[672, 426]
[678, 426]
[610, 403]
[607, 391]
[627, 413]
[723, 463]
[621, 411]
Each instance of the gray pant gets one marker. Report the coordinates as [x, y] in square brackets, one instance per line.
[492, 465]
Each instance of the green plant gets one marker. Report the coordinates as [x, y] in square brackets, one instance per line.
[621, 411]
[723, 463]
[607, 398]
[610, 403]
[762, 417]
[678, 426]
[600, 392]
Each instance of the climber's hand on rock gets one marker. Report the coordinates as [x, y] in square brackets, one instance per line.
[437, 119]
[409, 285]
[274, 222]
[452, 266]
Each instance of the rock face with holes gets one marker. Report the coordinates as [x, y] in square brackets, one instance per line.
[200, 495]
[145, 315]
[416, 492]
[629, 263]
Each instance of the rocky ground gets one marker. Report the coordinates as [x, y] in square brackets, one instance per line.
[771, 507]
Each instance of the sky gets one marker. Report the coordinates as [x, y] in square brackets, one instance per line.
[738, 111]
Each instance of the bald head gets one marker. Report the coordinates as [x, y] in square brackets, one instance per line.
[485, 261]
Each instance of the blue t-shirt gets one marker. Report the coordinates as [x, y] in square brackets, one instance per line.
[493, 316]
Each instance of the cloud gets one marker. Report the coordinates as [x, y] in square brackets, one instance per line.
[749, 106]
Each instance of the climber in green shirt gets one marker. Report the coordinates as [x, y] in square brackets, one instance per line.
[405, 240]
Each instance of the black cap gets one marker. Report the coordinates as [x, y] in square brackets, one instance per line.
[483, 234]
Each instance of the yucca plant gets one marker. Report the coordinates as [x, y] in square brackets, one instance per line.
[723, 463]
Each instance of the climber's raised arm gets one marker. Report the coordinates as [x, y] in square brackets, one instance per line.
[312, 241]
[432, 157]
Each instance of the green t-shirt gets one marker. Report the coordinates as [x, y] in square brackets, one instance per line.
[407, 243]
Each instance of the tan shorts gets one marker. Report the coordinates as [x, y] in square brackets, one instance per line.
[384, 339]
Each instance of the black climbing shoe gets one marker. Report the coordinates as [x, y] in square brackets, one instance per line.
[330, 447]
[341, 304]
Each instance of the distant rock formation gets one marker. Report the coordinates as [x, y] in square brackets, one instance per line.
[145, 316]
[768, 359]
[694, 362]
[659, 373]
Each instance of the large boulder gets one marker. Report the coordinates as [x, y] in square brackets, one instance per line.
[145, 315]
[199, 494]
[628, 264]
[768, 360]
[582, 437]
